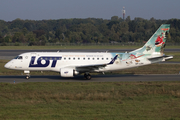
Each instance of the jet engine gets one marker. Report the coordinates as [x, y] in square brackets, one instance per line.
[68, 72]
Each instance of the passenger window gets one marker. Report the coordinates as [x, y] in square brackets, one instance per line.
[69, 58]
[73, 58]
[78, 58]
[102, 58]
[97, 58]
[93, 58]
[106, 58]
[83, 58]
[88, 58]
[64, 58]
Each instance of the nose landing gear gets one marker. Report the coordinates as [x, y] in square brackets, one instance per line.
[27, 72]
[27, 76]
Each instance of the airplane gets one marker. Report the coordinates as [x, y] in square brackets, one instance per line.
[70, 64]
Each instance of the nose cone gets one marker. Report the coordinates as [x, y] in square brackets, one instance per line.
[7, 65]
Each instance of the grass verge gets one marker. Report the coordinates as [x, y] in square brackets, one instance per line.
[74, 47]
[176, 56]
[91, 101]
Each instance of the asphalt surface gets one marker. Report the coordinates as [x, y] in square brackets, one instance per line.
[95, 78]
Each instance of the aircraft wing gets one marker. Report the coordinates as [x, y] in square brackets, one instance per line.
[93, 66]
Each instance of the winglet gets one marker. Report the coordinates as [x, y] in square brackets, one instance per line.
[112, 61]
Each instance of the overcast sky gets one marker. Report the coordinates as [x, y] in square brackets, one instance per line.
[62, 9]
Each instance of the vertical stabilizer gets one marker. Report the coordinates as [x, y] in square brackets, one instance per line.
[155, 45]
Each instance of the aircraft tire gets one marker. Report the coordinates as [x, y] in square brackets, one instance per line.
[27, 77]
[87, 76]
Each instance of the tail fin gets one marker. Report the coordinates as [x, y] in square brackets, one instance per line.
[156, 44]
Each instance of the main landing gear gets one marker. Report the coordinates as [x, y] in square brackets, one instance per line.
[87, 76]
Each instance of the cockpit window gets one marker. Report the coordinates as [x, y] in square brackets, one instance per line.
[18, 57]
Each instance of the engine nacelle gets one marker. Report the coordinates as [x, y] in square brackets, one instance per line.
[68, 72]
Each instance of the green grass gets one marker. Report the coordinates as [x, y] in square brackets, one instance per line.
[91, 101]
[73, 47]
[63, 47]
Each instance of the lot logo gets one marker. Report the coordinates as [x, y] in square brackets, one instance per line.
[43, 61]
[66, 72]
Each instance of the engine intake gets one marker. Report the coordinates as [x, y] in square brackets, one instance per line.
[68, 72]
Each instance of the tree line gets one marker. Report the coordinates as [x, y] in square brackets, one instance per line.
[90, 30]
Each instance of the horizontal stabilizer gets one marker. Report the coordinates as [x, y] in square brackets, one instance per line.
[165, 57]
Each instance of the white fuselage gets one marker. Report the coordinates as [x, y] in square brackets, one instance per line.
[54, 61]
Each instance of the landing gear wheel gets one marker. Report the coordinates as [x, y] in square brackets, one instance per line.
[87, 76]
[27, 72]
[27, 77]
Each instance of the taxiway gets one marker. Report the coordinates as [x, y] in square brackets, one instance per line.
[95, 78]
